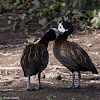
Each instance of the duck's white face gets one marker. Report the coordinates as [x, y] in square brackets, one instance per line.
[56, 32]
[61, 29]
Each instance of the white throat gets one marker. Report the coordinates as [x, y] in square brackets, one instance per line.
[61, 28]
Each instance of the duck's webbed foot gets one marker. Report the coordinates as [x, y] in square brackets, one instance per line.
[28, 85]
[79, 78]
[39, 87]
[28, 89]
[72, 84]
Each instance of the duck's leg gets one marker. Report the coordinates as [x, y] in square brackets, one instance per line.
[40, 87]
[79, 78]
[28, 84]
[72, 84]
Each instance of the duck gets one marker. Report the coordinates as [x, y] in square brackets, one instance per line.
[35, 57]
[71, 55]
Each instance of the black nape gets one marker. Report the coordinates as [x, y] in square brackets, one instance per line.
[69, 26]
[50, 36]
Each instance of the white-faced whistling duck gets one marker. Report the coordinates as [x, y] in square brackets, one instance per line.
[70, 54]
[35, 56]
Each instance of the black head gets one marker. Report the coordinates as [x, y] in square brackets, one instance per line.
[66, 28]
[52, 34]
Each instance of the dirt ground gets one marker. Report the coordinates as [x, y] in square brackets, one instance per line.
[53, 77]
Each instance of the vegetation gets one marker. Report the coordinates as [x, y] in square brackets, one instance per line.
[84, 12]
[54, 9]
[51, 97]
[88, 98]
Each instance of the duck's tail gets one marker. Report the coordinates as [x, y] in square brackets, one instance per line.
[94, 70]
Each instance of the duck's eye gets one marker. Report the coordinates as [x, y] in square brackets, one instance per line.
[60, 26]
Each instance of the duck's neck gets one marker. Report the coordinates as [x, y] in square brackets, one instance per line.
[61, 37]
[59, 40]
[66, 34]
[44, 41]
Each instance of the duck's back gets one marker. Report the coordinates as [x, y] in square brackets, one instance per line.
[34, 59]
[73, 56]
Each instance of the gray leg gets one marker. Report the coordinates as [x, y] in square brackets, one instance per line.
[39, 74]
[79, 77]
[72, 84]
[28, 84]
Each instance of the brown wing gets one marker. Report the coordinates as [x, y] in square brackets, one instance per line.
[34, 56]
[75, 52]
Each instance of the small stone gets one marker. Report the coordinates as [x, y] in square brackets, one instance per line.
[57, 68]
[89, 45]
[43, 76]
[59, 77]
